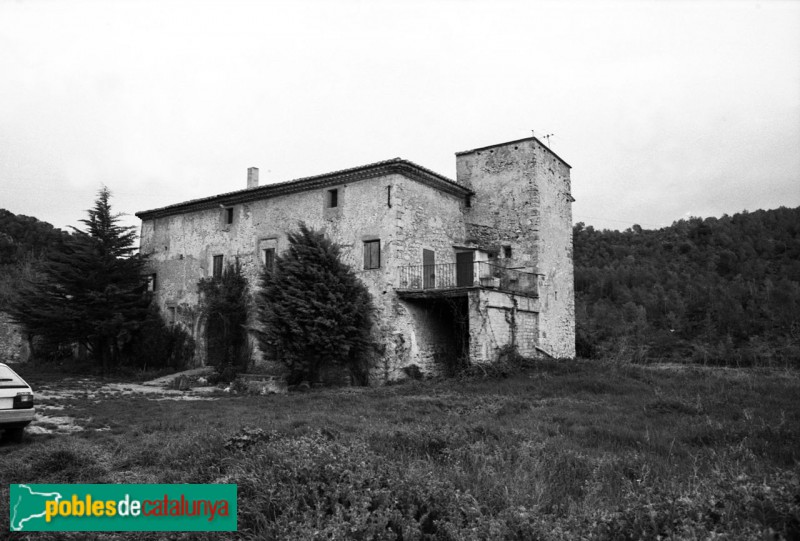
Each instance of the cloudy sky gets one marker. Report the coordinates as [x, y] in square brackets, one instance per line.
[664, 110]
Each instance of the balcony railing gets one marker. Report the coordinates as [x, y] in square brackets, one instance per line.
[471, 274]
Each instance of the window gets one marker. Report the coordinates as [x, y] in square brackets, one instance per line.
[151, 282]
[217, 270]
[226, 215]
[171, 319]
[268, 258]
[333, 198]
[372, 254]
[507, 252]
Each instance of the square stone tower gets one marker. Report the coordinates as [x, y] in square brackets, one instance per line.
[521, 214]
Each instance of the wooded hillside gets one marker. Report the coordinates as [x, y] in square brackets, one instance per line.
[24, 236]
[23, 241]
[716, 290]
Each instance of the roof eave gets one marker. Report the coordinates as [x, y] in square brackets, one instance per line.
[398, 166]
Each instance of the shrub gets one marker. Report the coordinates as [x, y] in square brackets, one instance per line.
[224, 303]
[313, 487]
[158, 345]
[315, 312]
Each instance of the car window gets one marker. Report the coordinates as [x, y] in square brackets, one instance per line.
[9, 379]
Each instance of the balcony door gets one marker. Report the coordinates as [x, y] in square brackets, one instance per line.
[464, 273]
[428, 269]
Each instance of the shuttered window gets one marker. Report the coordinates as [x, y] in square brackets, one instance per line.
[372, 254]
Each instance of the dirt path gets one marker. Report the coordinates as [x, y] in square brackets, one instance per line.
[53, 398]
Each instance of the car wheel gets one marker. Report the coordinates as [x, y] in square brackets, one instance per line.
[14, 435]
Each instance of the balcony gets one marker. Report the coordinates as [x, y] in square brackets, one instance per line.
[467, 274]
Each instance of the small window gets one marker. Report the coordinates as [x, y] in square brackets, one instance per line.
[507, 252]
[151, 282]
[171, 315]
[333, 198]
[229, 215]
[217, 270]
[372, 254]
[268, 258]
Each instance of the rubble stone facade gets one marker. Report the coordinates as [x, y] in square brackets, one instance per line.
[406, 232]
[13, 347]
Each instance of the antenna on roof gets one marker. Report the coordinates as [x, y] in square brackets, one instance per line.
[545, 137]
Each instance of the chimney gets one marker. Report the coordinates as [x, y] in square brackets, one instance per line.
[252, 177]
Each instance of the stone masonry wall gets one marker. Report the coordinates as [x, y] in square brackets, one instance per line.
[497, 319]
[522, 201]
[181, 248]
[13, 347]
[557, 292]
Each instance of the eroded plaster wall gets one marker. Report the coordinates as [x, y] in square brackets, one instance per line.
[522, 205]
[13, 347]
[405, 215]
[557, 289]
[424, 218]
[498, 319]
[437, 335]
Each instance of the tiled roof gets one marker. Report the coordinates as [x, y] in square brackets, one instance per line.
[372, 170]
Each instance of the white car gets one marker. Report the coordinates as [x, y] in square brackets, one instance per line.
[16, 404]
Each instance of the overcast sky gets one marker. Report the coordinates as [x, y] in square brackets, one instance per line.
[664, 110]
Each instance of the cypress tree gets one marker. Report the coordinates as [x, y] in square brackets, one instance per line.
[90, 291]
[314, 310]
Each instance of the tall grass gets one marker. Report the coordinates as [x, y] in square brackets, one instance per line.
[560, 451]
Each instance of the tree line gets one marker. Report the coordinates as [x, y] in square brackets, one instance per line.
[715, 290]
[85, 294]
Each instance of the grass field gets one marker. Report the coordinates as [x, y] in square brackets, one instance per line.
[558, 451]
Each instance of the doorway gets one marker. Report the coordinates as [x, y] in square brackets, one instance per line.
[428, 269]
[464, 269]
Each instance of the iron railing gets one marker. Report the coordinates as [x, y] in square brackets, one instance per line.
[471, 274]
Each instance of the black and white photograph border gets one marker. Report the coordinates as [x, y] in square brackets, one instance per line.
[406, 270]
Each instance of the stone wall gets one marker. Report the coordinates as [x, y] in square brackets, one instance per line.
[13, 348]
[522, 211]
[519, 218]
[557, 293]
[181, 248]
[498, 319]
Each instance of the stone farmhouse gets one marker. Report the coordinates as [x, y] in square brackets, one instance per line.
[458, 270]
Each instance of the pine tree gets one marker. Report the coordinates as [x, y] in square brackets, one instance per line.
[314, 310]
[90, 291]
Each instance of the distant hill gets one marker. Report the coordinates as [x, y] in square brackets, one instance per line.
[23, 236]
[716, 290]
[23, 242]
